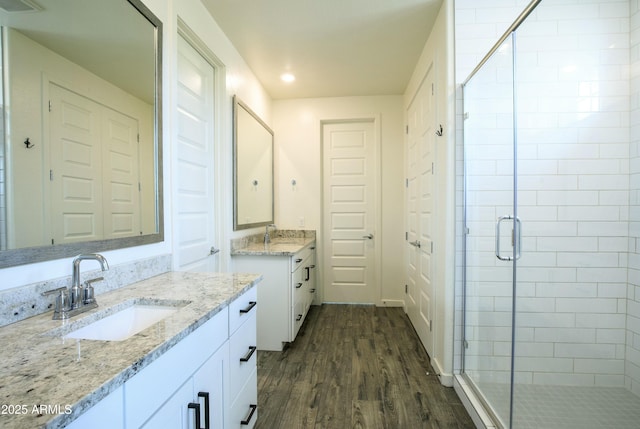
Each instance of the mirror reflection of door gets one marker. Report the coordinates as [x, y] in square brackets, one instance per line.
[94, 176]
[194, 192]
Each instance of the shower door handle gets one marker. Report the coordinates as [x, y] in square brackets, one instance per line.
[516, 234]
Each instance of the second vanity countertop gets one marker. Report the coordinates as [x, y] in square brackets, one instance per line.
[282, 243]
[39, 367]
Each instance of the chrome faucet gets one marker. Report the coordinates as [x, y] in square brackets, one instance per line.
[267, 237]
[79, 295]
[77, 299]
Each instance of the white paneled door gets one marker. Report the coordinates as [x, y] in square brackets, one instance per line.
[76, 172]
[420, 209]
[94, 170]
[194, 211]
[349, 171]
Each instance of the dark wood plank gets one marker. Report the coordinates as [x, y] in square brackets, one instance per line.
[354, 367]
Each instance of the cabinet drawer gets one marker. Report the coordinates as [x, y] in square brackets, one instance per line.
[298, 316]
[242, 309]
[298, 260]
[298, 284]
[244, 408]
[243, 355]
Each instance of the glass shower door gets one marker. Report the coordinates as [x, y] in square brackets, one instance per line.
[490, 253]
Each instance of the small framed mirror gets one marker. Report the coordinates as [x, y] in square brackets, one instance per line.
[253, 168]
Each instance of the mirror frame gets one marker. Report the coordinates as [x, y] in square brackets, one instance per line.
[239, 104]
[30, 255]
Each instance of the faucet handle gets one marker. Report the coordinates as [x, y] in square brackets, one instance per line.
[61, 310]
[88, 293]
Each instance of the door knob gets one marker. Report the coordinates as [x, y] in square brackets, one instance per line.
[213, 250]
[368, 236]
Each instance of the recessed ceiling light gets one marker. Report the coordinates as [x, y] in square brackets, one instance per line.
[287, 77]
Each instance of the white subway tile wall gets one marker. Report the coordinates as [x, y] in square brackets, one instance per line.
[578, 104]
[632, 356]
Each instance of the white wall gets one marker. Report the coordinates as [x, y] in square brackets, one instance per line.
[239, 80]
[297, 128]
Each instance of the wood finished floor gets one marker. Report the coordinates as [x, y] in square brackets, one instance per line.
[354, 367]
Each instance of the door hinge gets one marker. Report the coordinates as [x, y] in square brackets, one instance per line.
[433, 168]
[406, 235]
[406, 288]
[139, 187]
[406, 183]
[138, 136]
[432, 247]
[466, 115]
[406, 129]
[466, 344]
[432, 89]
[49, 105]
[430, 325]
[52, 241]
[51, 175]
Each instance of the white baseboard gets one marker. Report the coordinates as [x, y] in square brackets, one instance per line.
[390, 303]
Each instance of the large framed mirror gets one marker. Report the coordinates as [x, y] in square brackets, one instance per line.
[81, 148]
[253, 168]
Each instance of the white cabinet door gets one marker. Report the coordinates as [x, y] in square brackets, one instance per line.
[210, 384]
[174, 413]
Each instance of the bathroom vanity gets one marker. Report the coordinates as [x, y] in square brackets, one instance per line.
[288, 266]
[198, 360]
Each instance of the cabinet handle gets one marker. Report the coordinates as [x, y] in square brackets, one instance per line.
[299, 317]
[246, 421]
[298, 285]
[313, 266]
[298, 260]
[205, 395]
[245, 358]
[248, 309]
[312, 290]
[196, 408]
[308, 273]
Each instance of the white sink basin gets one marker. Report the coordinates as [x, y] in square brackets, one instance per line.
[123, 324]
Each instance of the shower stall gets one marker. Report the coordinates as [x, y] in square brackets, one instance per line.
[550, 329]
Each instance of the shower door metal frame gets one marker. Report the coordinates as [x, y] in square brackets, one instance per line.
[517, 226]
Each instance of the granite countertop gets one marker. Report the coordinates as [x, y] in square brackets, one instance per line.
[282, 243]
[68, 376]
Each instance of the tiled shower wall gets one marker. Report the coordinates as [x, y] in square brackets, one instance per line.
[632, 366]
[578, 319]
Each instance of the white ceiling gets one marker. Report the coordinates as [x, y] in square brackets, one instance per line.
[333, 47]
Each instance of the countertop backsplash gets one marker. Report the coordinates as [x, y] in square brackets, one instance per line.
[26, 301]
[246, 241]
